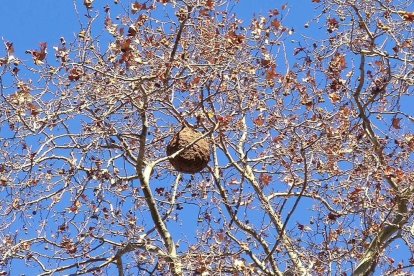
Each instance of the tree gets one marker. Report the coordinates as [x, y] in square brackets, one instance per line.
[311, 145]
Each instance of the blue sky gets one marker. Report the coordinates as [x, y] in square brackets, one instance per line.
[27, 23]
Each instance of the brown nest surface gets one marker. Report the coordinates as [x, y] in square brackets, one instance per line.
[193, 159]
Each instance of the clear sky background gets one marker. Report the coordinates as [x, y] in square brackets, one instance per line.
[26, 23]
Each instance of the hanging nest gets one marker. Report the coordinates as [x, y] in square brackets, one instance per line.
[193, 159]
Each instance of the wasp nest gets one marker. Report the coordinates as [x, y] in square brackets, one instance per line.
[194, 158]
